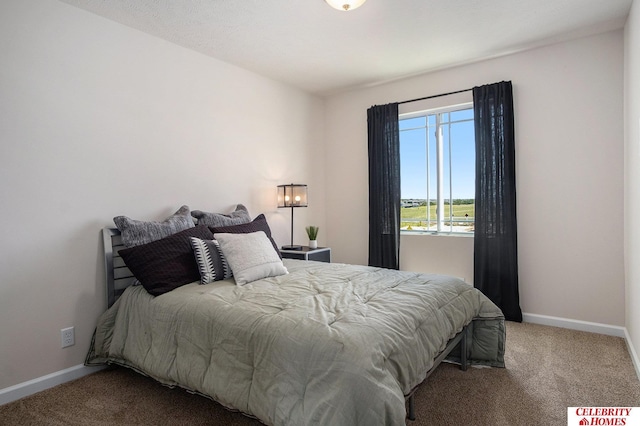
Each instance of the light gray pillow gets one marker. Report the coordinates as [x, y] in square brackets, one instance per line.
[237, 217]
[138, 232]
[251, 256]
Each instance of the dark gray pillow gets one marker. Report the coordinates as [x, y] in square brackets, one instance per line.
[168, 263]
[238, 217]
[211, 262]
[138, 232]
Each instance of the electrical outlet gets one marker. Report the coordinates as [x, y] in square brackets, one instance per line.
[68, 337]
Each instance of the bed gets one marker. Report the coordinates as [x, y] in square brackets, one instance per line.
[324, 344]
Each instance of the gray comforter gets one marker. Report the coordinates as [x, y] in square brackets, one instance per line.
[327, 344]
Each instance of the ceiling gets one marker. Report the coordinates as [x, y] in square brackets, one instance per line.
[321, 50]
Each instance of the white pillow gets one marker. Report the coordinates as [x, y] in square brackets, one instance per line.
[251, 256]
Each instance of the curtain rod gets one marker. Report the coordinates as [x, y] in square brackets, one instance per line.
[434, 96]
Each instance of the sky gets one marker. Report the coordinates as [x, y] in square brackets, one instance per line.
[413, 157]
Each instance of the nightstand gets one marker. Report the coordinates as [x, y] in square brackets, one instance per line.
[320, 254]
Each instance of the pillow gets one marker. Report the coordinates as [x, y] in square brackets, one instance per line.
[211, 262]
[238, 217]
[137, 232]
[250, 256]
[168, 263]
[258, 224]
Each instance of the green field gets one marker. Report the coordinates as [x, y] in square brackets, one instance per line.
[417, 216]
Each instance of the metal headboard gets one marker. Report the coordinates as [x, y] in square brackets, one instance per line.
[119, 277]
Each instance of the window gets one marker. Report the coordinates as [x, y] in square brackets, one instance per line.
[437, 170]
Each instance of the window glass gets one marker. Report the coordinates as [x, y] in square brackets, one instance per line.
[437, 161]
[411, 123]
[465, 114]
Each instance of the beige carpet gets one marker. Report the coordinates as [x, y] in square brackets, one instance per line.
[548, 370]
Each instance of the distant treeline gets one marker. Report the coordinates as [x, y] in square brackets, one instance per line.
[456, 201]
[459, 201]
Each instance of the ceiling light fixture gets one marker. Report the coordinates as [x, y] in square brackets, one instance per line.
[345, 5]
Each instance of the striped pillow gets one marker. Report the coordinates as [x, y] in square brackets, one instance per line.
[211, 262]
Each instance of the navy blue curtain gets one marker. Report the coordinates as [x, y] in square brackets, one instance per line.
[384, 186]
[495, 242]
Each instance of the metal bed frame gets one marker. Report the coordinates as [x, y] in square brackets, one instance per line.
[461, 339]
[119, 277]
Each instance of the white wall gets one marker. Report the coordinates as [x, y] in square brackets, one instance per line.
[569, 153]
[454, 255]
[632, 178]
[97, 120]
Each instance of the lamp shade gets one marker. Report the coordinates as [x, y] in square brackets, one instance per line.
[345, 5]
[292, 195]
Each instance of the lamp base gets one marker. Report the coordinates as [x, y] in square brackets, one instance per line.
[291, 247]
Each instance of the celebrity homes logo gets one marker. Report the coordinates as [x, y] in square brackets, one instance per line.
[603, 416]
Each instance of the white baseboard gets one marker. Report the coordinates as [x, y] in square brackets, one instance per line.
[30, 387]
[592, 327]
[633, 353]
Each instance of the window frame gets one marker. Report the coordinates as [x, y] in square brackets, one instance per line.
[438, 111]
